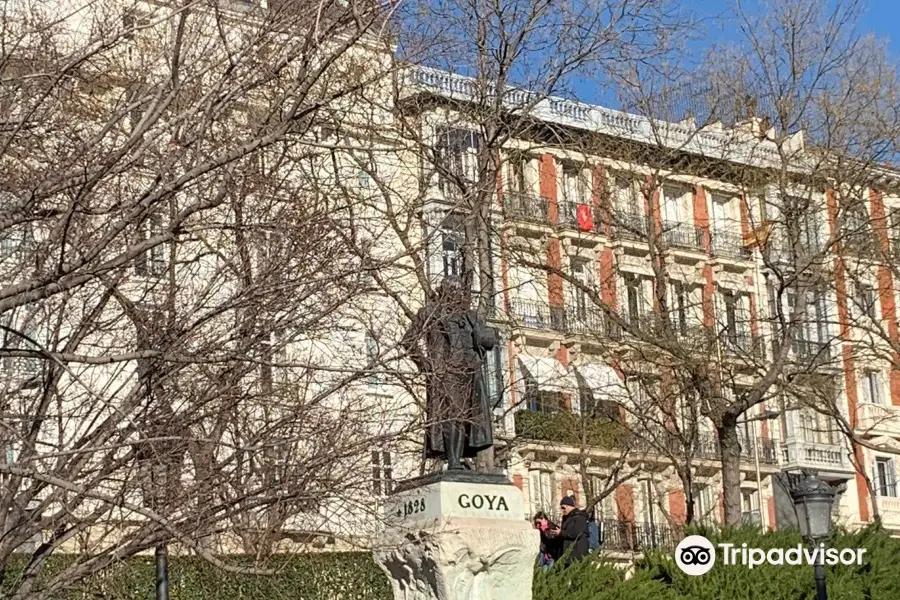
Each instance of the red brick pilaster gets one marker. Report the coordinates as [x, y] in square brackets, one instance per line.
[701, 215]
[678, 507]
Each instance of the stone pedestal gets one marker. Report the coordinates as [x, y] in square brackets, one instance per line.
[457, 536]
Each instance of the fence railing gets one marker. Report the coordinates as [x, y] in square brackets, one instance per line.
[631, 225]
[683, 235]
[527, 207]
[635, 536]
[729, 245]
[538, 315]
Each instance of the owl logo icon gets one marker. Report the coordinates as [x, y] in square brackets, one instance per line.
[695, 555]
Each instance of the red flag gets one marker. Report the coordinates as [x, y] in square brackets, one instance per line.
[585, 217]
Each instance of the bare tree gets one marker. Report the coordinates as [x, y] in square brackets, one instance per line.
[182, 320]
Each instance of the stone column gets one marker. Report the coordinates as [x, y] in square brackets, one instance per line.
[457, 536]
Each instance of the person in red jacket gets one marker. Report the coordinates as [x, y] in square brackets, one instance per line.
[573, 531]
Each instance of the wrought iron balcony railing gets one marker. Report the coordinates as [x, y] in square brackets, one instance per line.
[742, 343]
[631, 225]
[538, 315]
[634, 536]
[729, 245]
[683, 235]
[527, 207]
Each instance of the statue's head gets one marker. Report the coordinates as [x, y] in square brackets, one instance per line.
[454, 294]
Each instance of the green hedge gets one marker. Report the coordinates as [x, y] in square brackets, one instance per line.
[355, 576]
[656, 577]
[325, 576]
[571, 429]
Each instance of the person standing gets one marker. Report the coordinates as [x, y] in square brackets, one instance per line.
[573, 532]
[551, 545]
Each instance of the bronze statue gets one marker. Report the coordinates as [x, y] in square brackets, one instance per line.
[455, 342]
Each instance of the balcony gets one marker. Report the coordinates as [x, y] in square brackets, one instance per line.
[729, 245]
[538, 315]
[683, 236]
[878, 419]
[587, 321]
[575, 430]
[527, 207]
[811, 351]
[579, 320]
[742, 344]
[579, 215]
[800, 453]
[631, 225]
[889, 511]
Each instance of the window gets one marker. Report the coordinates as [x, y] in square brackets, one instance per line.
[538, 400]
[493, 371]
[704, 503]
[634, 298]
[674, 209]
[678, 307]
[517, 169]
[726, 219]
[814, 320]
[865, 299]
[640, 388]
[885, 477]
[605, 509]
[452, 238]
[625, 195]
[871, 387]
[809, 231]
[540, 491]
[458, 153]
[574, 185]
[816, 427]
[581, 272]
[382, 473]
[152, 262]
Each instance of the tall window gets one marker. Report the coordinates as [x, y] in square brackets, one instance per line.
[870, 381]
[151, 263]
[517, 180]
[581, 272]
[678, 304]
[816, 427]
[865, 300]
[885, 477]
[493, 374]
[674, 206]
[458, 152]
[382, 472]
[575, 189]
[452, 239]
[634, 298]
[704, 503]
[540, 490]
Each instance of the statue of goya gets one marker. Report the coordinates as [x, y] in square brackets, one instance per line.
[448, 343]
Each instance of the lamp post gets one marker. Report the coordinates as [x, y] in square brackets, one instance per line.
[813, 499]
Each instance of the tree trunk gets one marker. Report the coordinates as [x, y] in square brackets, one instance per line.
[730, 449]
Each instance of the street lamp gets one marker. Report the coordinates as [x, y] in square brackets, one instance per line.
[813, 499]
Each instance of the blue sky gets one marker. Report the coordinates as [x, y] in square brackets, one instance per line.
[883, 18]
[879, 17]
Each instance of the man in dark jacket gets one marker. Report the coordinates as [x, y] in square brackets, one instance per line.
[573, 531]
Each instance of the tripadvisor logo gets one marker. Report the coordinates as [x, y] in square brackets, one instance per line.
[696, 555]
